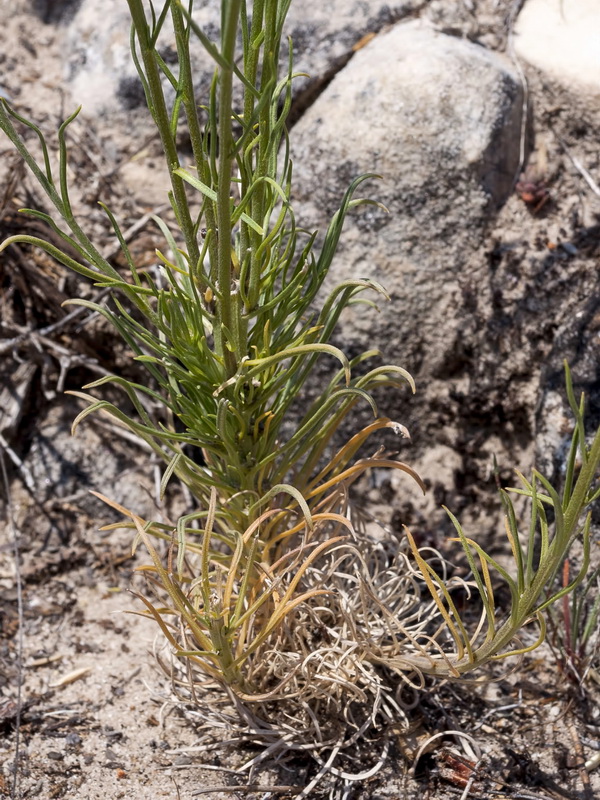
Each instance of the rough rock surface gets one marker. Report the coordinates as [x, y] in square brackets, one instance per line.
[440, 119]
[563, 40]
[99, 72]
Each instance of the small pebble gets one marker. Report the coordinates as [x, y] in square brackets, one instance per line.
[73, 740]
[569, 248]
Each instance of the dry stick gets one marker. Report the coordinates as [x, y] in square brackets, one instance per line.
[497, 710]
[252, 788]
[579, 166]
[176, 788]
[10, 344]
[512, 17]
[111, 252]
[581, 764]
[198, 765]
[20, 635]
[471, 781]
[19, 464]
[29, 482]
[67, 359]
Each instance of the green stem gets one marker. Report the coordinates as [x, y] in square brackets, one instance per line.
[584, 482]
[186, 85]
[64, 210]
[268, 80]
[222, 644]
[158, 109]
[227, 305]
[573, 512]
[251, 71]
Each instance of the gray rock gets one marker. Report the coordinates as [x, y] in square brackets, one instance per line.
[563, 40]
[98, 67]
[440, 119]
[326, 34]
[101, 75]
[66, 468]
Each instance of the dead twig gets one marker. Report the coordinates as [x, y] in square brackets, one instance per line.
[19, 464]
[251, 788]
[578, 166]
[20, 632]
[28, 335]
[510, 46]
[581, 764]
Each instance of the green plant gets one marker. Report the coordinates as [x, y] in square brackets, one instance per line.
[536, 563]
[269, 588]
[232, 338]
[574, 622]
[573, 629]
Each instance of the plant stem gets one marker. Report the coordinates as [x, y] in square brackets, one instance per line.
[186, 85]
[250, 71]
[228, 305]
[265, 146]
[556, 556]
[158, 109]
[582, 486]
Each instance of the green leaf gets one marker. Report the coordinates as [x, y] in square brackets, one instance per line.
[212, 195]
